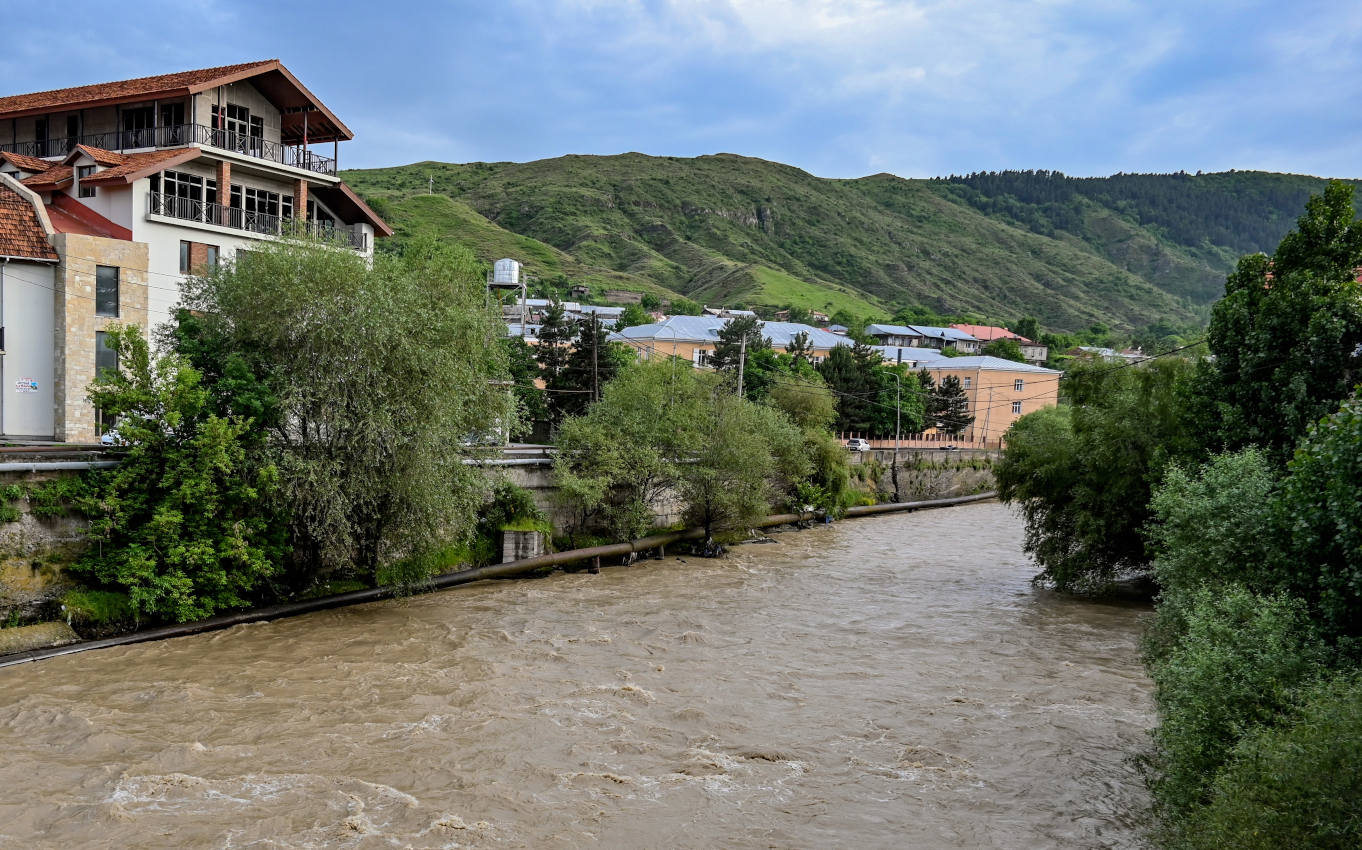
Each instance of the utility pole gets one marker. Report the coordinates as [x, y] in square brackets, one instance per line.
[898, 419]
[742, 361]
[595, 365]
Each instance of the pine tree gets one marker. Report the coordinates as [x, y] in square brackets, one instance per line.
[950, 407]
[728, 350]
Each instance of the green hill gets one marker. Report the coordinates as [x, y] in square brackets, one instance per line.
[1128, 250]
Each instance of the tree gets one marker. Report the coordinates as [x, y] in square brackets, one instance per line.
[1028, 327]
[1286, 335]
[800, 347]
[616, 462]
[1083, 473]
[529, 398]
[650, 302]
[632, 317]
[948, 407]
[381, 372]
[738, 338]
[185, 523]
[900, 403]
[850, 373]
[749, 455]
[1006, 349]
[556, 335]
[798, 315]
[591, 364]
[1319, 513]
[684, 307]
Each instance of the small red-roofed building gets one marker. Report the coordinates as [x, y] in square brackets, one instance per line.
[1032, 352]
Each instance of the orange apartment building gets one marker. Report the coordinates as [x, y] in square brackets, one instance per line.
[1000, 391]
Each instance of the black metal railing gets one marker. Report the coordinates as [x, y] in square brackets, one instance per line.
[192, 209]
[178, 135]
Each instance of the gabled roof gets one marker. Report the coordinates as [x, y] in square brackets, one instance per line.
[706, 329]
[988, 333]
[31, 164]
[924, 331]
[985, 363]
[99, 155]
[23, 230]
[53, 178]
[343, 200]
[138, 165]
[269, 76]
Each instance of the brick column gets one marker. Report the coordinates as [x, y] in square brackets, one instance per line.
[224, 189]
[300, 199]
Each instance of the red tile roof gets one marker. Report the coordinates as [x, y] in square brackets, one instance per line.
[142, 88]
[53, 178]
[21, 230]
[71, 216]
[99, 155]
[273, 80]
[135, 165]
[988, 333]
[31, 164]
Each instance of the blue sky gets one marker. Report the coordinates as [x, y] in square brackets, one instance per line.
[840, 88]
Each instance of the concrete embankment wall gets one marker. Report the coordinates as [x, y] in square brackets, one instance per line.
[513, 569]
[34, 552]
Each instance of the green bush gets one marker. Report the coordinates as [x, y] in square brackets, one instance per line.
[1240, 663]
[59, 497]
[1295, 785]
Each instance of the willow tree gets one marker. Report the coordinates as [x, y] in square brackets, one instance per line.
[379, 374]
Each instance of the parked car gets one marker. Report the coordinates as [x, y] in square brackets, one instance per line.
[856, 444]
[111, 437]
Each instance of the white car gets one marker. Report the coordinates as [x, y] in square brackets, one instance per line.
[856, 444]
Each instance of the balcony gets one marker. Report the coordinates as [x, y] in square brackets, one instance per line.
[180, 135]
[263, 224]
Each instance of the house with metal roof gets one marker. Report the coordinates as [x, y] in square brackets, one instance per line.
[999, 391]
[694, 337]
[924, 336]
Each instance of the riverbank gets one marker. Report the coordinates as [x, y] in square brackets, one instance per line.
[510, 569]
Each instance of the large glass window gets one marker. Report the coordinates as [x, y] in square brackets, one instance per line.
[106, 359]
[106, 290]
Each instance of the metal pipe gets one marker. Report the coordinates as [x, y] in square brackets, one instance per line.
[509, 569]
[59, 465]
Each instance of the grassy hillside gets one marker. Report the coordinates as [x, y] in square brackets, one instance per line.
[733, 229]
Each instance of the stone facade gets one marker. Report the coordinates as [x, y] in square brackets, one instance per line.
[77, 323]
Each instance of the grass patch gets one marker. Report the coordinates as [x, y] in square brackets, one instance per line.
[98, 613]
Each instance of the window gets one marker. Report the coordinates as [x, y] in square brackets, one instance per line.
[106, 359]
[964, 382]
[196, 257]
[1016, 407]
[83, 171]
[1018, 384]
[106, 290]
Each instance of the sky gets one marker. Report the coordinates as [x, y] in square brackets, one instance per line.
[839, 88]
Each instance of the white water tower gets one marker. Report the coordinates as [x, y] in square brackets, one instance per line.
[505, 277]
[506, 272]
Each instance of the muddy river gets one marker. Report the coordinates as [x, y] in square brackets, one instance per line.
[893, 682]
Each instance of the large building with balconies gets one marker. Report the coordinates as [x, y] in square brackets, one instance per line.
[136, 184]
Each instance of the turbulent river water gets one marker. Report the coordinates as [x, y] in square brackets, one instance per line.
[893, 682]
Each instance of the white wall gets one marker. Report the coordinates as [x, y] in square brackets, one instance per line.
[30, 312]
